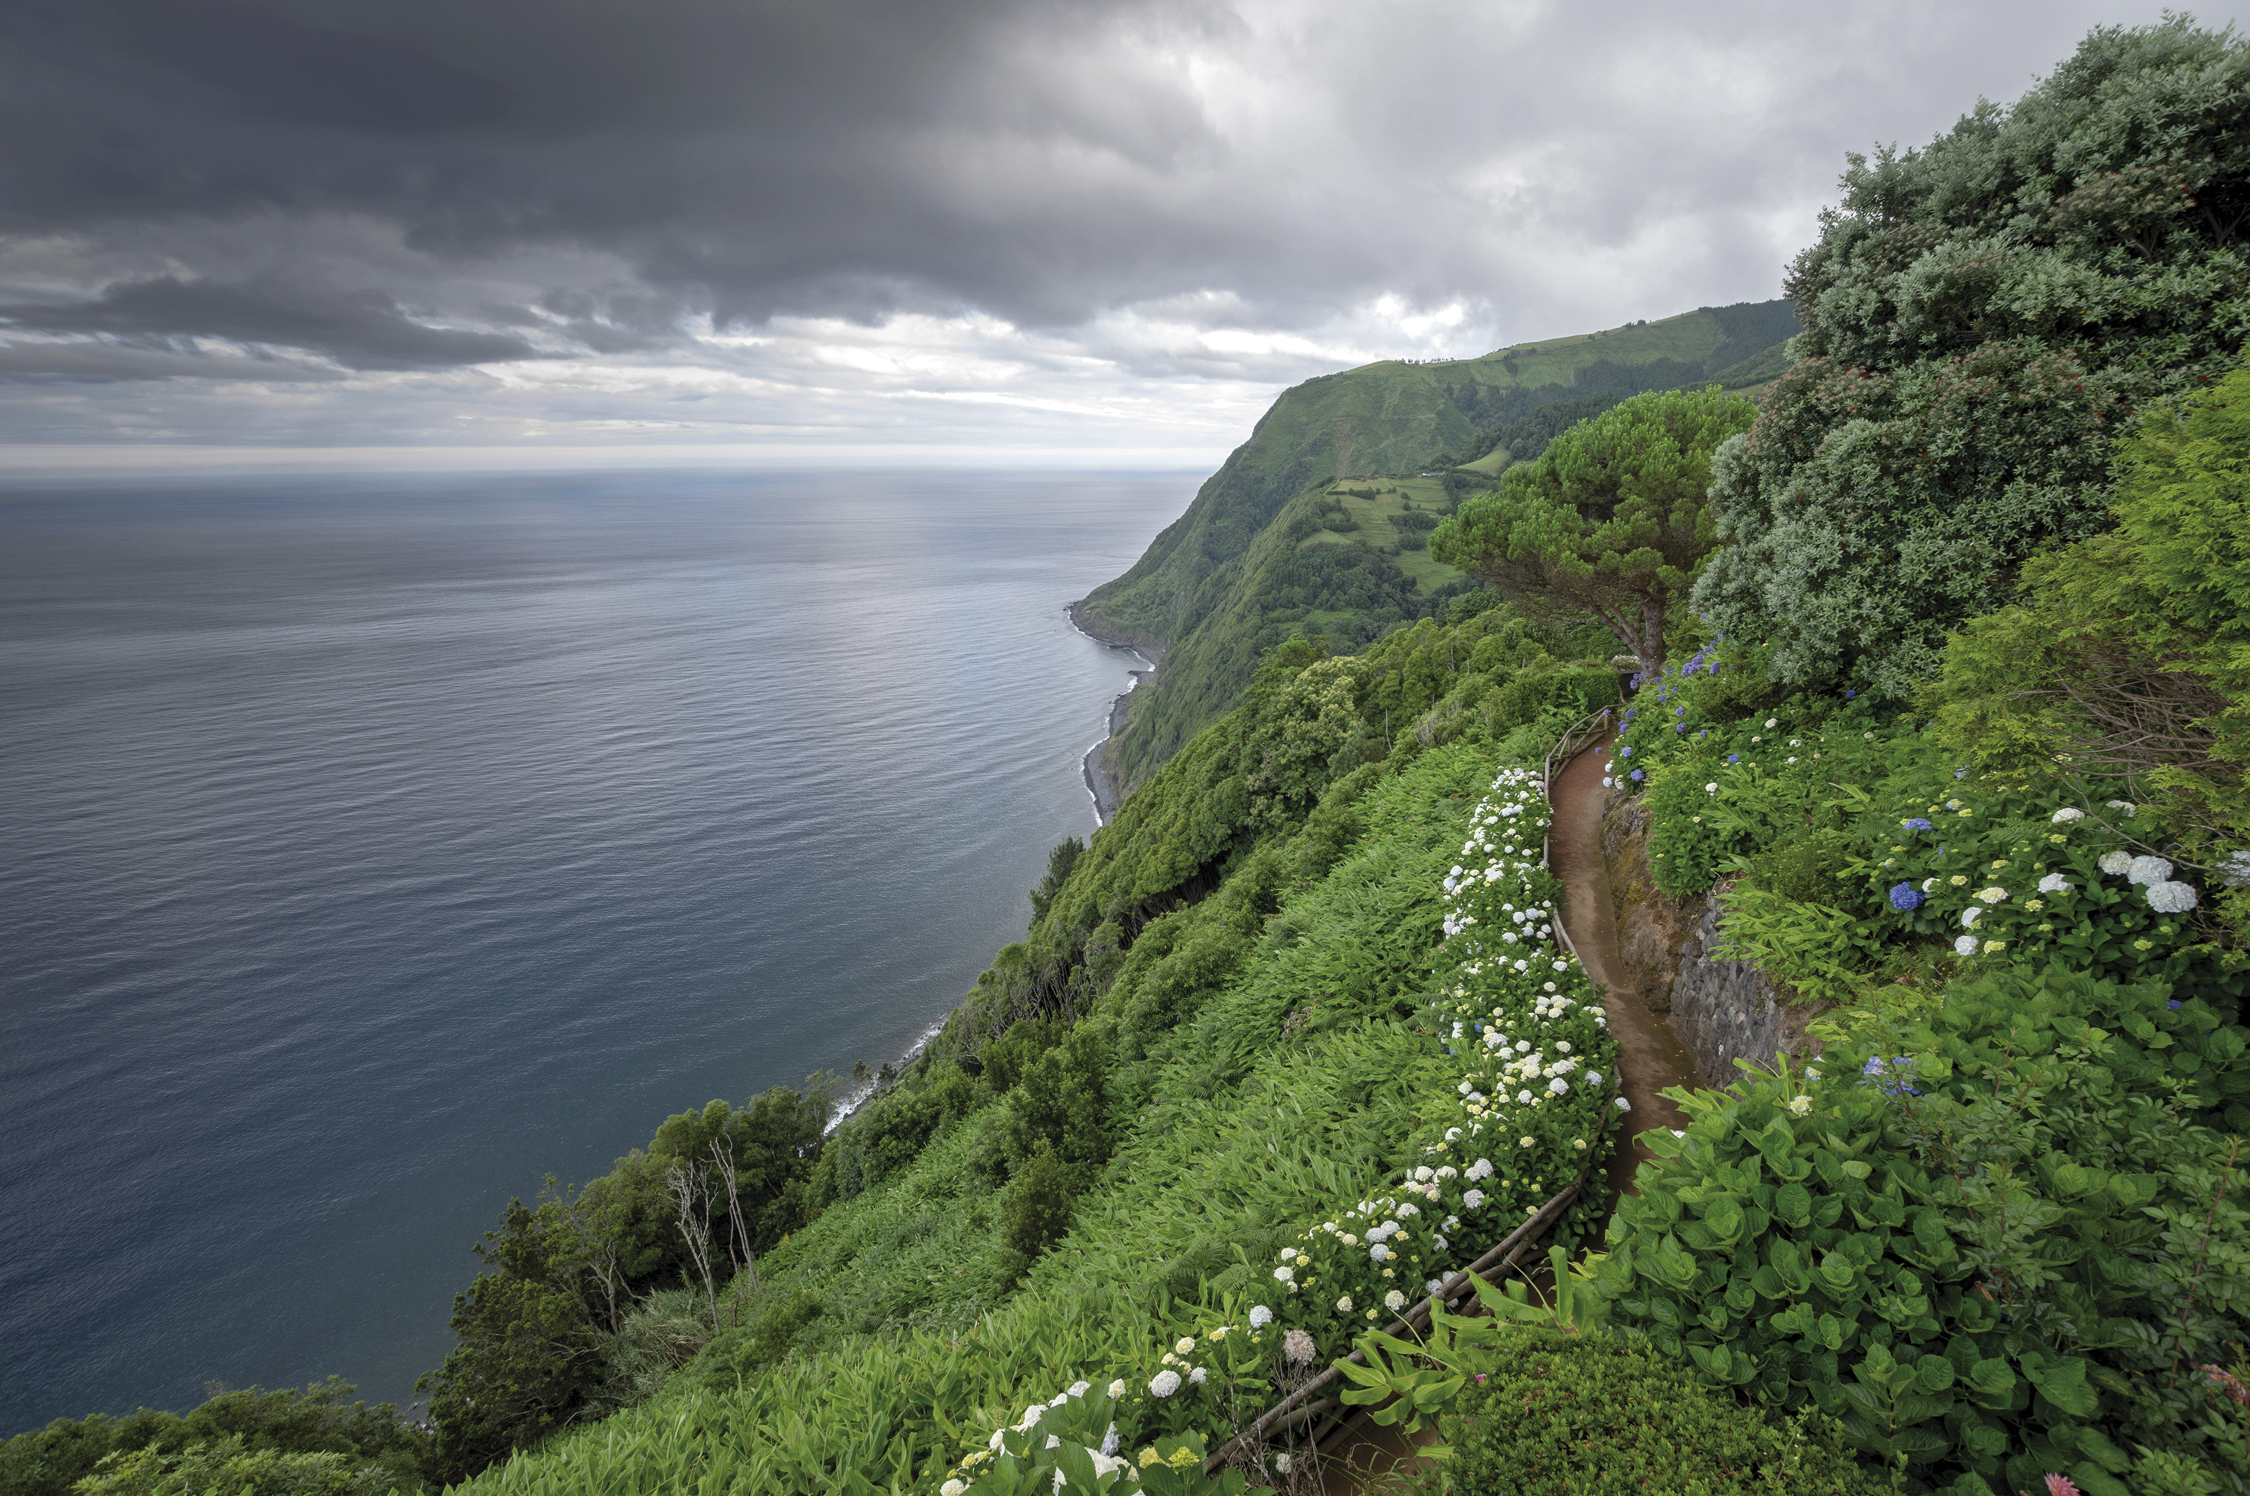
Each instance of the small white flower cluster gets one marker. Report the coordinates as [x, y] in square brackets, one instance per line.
[1105, 1458]
[1529, 1051]
[1507, 835]
[2164, 895]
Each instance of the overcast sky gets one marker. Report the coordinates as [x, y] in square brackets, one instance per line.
[927, 230]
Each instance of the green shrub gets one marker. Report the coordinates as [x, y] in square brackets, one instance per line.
[1034, 1210]
[1997, 1244]
[1592, 1415]
[318, 1420]
[229, 1468]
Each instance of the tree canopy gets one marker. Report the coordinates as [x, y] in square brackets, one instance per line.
[1610, 520]
[2130, 651]
[1982, 318]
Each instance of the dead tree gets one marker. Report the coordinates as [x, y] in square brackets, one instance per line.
[691, 1196]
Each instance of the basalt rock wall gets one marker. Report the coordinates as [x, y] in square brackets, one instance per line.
[1721, 1011]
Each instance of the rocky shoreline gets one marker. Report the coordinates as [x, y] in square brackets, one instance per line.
[1094, 766]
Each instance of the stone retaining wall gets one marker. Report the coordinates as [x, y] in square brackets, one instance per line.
[1720, 1011]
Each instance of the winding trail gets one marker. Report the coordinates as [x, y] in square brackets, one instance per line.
[1651, 1058]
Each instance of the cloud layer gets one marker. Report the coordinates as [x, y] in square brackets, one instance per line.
[971, 222]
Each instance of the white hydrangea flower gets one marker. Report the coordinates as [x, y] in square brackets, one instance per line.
[2171, 898]
[1929, 885]
[1199, 1376]
[1344, 1304]
[2066, 815]
[2236, 869]
[1473, 1199]
[1623, 1105]
[2147, 870]
[1394, 1301]
[1186, 1347]
[1559, 1086]
[1712, 788]
[1802, 1106]
[1165, 1383]
[2054, 883]
[1378, 1253]
[1117, 1388]
[952, 1488]
[2125, 805]
[2114, 863]
[1965, 946]
[1260, 1316]
[1970, 916]
[1284, 1274]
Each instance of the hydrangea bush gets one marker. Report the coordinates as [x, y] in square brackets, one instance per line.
[1878, 825]
[1527, 1096]
[1995, 866]
[2000, 1243]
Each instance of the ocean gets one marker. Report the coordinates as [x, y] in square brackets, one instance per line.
[371, 848]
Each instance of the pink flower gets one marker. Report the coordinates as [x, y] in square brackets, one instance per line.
[2061, 1485]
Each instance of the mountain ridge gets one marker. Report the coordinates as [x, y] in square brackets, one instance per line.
[1256, 557]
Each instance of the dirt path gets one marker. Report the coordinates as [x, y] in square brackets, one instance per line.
[1652, 1059]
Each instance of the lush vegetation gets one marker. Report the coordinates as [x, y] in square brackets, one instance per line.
[1549, 1414]
[315, 1441]
[1244, 568]
[1608, 521]
[1957, 744]
[1982, 318]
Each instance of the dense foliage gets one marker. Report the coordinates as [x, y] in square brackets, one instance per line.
[265, 1442]
[2010, 1246]
[1593, 1414]
[1982, 318]
[2129, 655]
[1230, 580]
[1610, 520]
[567, 1318]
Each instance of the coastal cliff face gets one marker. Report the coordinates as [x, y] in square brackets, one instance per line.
[1721, 1011]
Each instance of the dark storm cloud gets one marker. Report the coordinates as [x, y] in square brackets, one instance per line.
[751, 150]
[806, 216]
[360, 329]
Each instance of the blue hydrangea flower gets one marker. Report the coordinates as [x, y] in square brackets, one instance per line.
[1877, 1069]
[1626, 751]
[1906, 898]
[1637, 774]
[2173, 1003]
[1848, 695]
[1917, 823]
[1960, 773]
[1734, 758]
[1679, 711]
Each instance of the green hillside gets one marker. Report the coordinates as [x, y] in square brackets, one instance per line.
[1256, 558]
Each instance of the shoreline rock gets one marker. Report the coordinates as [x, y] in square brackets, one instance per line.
[1094, 767]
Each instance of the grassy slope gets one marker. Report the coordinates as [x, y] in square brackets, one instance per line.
[918, 1353]
[1213, 590]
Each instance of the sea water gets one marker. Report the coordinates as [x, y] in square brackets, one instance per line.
[371, 848]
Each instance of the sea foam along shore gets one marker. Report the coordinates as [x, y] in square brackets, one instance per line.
[1099, 785]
